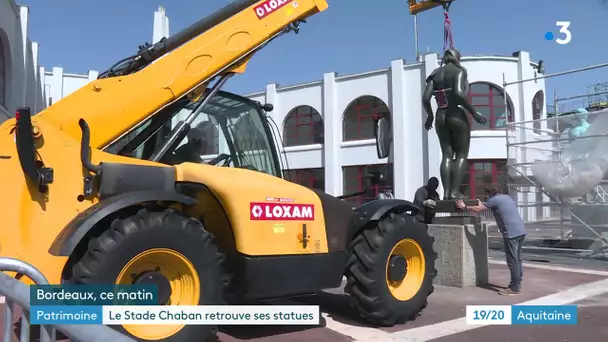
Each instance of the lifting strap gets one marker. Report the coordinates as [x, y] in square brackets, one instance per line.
[448, 40]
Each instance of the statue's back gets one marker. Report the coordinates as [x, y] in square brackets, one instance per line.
[444, 79]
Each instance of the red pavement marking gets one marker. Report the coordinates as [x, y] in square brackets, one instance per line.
[591, 327]
[448, 303]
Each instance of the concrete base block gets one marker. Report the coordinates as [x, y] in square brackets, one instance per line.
[462, 252]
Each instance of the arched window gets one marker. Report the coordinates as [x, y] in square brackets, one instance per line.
[538, 103]
[360, 116]
[2, 74]
[489, 100]
[303, 126]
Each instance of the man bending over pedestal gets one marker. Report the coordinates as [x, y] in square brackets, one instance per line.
[512, 227]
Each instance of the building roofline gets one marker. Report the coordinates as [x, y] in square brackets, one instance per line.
[378, 71]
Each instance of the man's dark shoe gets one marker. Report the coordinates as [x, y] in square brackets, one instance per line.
[508, 292]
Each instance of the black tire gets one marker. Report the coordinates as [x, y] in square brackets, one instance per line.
[150, 228]
[366, 270]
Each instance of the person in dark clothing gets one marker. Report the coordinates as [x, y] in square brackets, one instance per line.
[194, 148]
[426, 197]
[512, 227]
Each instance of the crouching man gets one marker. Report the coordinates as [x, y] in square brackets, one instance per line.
[426, 198]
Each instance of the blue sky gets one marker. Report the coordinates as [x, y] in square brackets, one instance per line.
[351, 36]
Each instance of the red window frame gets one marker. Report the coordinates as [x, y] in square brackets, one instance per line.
[358, 185]
[311, 178]
[491, 105]
[469, 186]
[363, 112]
[537, 109]
[303, 116]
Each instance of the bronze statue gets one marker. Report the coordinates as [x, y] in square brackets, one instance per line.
[450, 85]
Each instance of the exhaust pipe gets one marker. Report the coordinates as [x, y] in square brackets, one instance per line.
[85, 153]
[32, 167]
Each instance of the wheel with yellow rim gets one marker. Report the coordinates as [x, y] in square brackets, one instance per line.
[161, 247]
[391, 269]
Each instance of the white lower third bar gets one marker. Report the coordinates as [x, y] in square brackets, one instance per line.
[212, 315]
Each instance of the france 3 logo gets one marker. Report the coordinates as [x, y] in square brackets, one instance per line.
[565, 35]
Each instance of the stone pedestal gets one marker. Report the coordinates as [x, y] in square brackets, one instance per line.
[461, 243]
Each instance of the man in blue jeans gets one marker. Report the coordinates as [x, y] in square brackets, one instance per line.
[513, 230]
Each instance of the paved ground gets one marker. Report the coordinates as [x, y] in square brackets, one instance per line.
[443, 319]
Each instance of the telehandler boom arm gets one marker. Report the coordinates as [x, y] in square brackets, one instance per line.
[135, 88]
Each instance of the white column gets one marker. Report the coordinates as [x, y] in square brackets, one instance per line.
[399, 126]
[161, 25]
[433, 149]
[42, 96]
[166, 27]
[56, 84]
[24, 13]
[35, 48]
[36, 105]
[272, 97]
[408, 138]
[332, 119]
[526, 91]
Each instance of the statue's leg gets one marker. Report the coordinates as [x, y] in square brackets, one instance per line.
[461, 140]
[447, 153]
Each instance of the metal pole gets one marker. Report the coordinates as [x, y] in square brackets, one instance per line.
[507, 143]
[581, 96]
[559, 156]
[416, 37]
[22, 267]
[561, 73]
[7, 335]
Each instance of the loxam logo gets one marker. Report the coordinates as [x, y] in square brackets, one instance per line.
[281, 212]
[267, 7]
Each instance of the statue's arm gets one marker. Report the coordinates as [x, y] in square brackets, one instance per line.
[427, 96]
[459, 92]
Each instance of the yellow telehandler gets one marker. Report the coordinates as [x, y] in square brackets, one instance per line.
[106, 186]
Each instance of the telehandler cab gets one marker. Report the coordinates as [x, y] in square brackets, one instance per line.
[107, 186]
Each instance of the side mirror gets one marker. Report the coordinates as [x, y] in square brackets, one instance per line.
[268, 107]
[383, 137]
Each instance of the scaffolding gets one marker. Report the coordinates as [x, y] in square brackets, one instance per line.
[560, 216]
[598, 96]
[595, 99]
